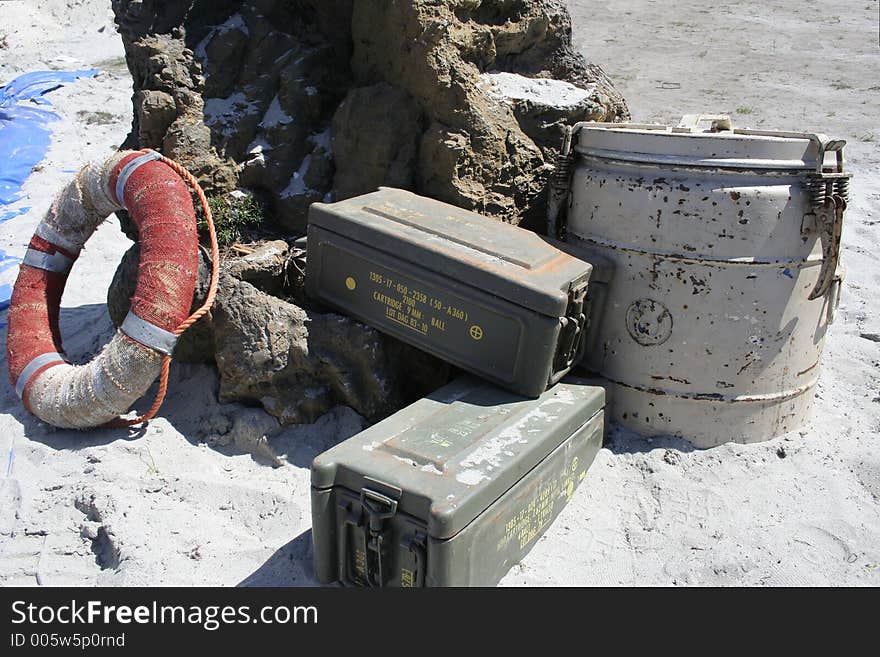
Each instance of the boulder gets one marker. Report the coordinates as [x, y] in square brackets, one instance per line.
[319, 100]
[462, 100]
[298, 364]
[265, 266]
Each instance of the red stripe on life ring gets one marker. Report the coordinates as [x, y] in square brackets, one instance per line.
[161, 207]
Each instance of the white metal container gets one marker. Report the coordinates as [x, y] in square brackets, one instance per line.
[725, 246]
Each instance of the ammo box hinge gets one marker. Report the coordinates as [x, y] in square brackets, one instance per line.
[415, 544]
[571, 331]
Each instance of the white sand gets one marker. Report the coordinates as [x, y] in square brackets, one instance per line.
[195, 498]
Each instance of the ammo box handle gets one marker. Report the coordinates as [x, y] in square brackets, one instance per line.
[379, 507]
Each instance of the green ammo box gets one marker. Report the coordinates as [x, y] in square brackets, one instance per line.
[494, 299]
[454, 489]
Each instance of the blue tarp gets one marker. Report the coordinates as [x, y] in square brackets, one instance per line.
[24, 139]
[24, 131]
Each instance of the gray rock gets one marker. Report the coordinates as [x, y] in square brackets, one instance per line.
[196, 345]
[299, 364]
[265, 267]
[376, 134]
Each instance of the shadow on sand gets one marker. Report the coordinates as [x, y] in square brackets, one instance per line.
[620, 440]
[290, 565]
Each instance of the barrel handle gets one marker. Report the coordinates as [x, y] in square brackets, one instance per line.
[829, 218]
[830, 224]
[835, 293]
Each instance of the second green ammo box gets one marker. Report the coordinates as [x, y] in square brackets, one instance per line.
[454, 489]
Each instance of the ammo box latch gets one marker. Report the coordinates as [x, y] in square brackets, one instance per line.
[570, 332]
[369, 522]
[378, 508]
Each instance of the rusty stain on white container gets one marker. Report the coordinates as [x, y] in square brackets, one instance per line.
[718, 239]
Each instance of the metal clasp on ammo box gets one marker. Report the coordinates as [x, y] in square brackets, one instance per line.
[371, 563]
[379, 508]
[571, 331]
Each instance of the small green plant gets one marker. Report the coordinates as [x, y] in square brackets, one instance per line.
[744, 110]
[152, 468]
[233, 214]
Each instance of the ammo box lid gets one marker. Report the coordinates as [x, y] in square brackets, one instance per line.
[509, 262]
[450, 455]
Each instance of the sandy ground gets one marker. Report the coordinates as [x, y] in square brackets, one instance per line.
[163, 507]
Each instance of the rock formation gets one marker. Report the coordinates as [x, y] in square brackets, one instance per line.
[296, 363]
[461, 100]
[317, 100]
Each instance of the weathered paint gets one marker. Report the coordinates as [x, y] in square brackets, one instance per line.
[488, 297]
[707, 331]
[468, 479]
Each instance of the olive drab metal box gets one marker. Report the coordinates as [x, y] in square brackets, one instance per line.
[454, 489]
[494, 299]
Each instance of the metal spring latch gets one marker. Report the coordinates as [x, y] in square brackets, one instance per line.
[829, 193]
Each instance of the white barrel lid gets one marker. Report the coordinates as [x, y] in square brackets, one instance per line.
[691, 144]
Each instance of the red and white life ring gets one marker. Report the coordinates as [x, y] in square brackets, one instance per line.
[158, 199]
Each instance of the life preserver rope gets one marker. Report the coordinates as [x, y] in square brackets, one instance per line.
[152, 188]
